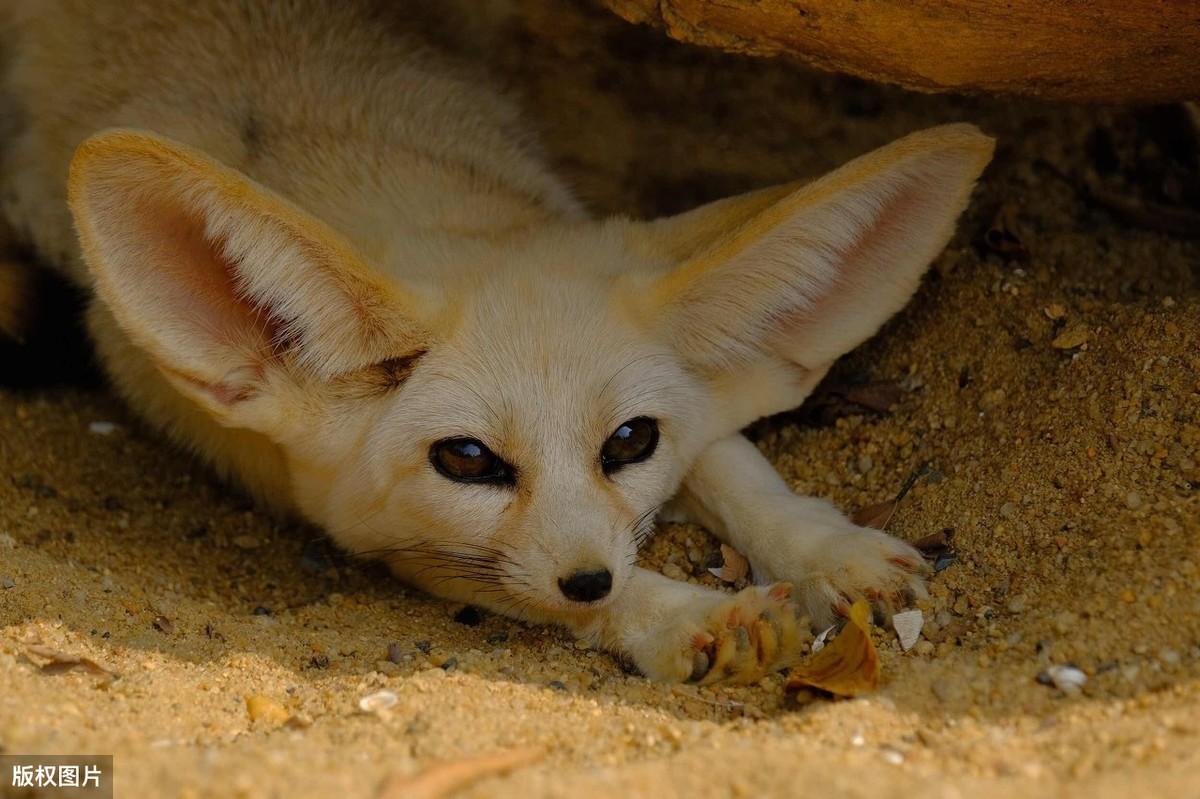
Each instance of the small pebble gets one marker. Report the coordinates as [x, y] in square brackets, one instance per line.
[450, 664]
[263, 708]
[1133, 501]
[262, 610]
[946, 690]
[1065, 622]
[424, 647]
[102, 428]
[395, 653]
[1068, 679]
[557, 685]
[497, 638]
[380, 700]
[674, 572]
[7, 583]
[246, 542]
[1169, 657]
[991, 399]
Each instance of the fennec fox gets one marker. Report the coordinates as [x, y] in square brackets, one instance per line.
[334, 267]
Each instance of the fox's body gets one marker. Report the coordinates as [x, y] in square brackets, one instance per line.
[331, 264]
[379, 137]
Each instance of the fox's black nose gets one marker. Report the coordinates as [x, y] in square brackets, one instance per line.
[586, 586]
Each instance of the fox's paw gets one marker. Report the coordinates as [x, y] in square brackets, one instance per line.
[855, 563]
[725, 638]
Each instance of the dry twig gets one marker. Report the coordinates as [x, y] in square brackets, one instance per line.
[443, 779]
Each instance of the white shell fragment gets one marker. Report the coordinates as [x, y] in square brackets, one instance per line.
[1067, 679]
[102, 428]
[380, 700]
[819, 642]
[908, 627]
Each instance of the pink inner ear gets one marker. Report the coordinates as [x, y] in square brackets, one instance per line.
[869, 280]
[863, 261]
[184, 294]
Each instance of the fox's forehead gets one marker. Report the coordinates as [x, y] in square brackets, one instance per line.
[547, 361]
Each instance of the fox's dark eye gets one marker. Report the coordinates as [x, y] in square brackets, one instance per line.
[468, 460]
[632, 442]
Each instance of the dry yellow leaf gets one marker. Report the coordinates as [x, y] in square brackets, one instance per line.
[877, 515]
[735, 566]
[848, 666]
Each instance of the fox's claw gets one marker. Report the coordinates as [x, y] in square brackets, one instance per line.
[856, 563]
[736, 639]
[748, 636]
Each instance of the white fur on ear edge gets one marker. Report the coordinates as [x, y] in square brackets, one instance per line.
[214, 276]
[816, 271]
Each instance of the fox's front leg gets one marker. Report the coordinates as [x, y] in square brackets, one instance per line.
[735, 492]
[675, 632]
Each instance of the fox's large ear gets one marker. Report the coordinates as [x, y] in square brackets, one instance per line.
[808, 272]
[219, 280]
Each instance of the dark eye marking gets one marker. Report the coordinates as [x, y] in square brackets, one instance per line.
[378, 378]
[468, 460]
[392, 372]
[632, 442]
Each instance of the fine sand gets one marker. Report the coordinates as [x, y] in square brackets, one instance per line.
[1051, 382]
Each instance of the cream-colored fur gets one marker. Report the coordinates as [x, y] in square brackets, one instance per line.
[317, 249]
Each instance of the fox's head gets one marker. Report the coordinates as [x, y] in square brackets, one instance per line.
[506, 425]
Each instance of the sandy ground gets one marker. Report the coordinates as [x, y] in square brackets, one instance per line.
[1063, 452]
